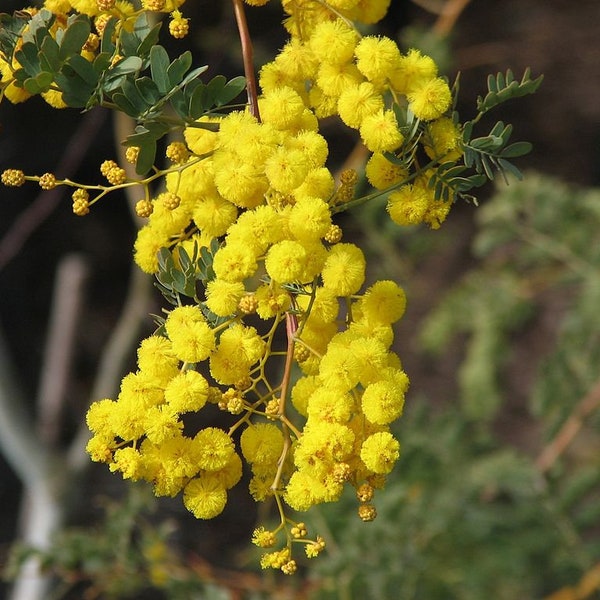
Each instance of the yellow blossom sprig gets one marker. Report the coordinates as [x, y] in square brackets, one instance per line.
[244, 245]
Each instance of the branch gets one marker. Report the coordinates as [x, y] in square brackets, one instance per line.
[247, 54]
[558, 445]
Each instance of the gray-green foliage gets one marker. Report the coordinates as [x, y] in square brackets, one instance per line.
[131, 72]
[467, 515]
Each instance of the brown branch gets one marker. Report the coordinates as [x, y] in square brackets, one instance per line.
[247, 54]
[558, 445]
[448, 17]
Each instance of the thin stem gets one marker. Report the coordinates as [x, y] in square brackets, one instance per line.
[247, 54]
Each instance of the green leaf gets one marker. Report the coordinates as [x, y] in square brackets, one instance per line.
[197, 104]
[132, 93]
[107, 44]
[84, 69]
[178, 68]
[517, 149]
[49, 55]
[159, 63]
[232, 89]
[75, 37]
[28, 58]
[39, 84]
[150, 40]
[148, 90]
[506, 165]
[146, 156]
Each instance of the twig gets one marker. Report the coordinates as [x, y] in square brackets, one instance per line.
[448, 17]
[247, 54]
[47, 201]
[558, 445]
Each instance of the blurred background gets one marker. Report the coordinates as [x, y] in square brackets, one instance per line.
[497, 494]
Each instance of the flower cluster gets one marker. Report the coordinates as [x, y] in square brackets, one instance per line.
[282, 294]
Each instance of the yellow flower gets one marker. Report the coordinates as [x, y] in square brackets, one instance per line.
[384, 302]
[262, 444]
[285, 261]
[213, 448]
[442, 141]
[377, 57]
[156, 357]
[408, 205]
[382, 173]
[344, 270]
[414, 69]
[222, 297]
[382, 401]
[234, 262]
[333, 42]
[309, 219]
[186, 392]
[379, 131]
[282, 107]
[357, 102]
[380, 452]
[205, 497]
[430, 100]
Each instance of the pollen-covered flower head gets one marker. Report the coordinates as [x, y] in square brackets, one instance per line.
[431, 99]
[344, 270]
[379, 131]
[262, 444]
[357, 102]
[380, 452]
[333, 42]
[377, 57]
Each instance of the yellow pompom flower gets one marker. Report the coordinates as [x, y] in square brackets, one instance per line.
[257, 229]
[325, 306]
[333, 79]
[316, 255]
[380, 452]
[430, 100]
[408, 205]
[318, 183]
[98, 416]
[382, 402]
[240, 182]
[339, 368]
[160, 424]
[377, 57]
[384, 302]
[285, 261]
[286, 169]
[372, 356]
[128, 461]
[414, 70]
[213, 214]
[324, 442]
[312, 145]
[234, 262]
[303, 491]
[303, 390]
[357, 102]
[100, 448]
[142, 389]
[271, 300]
[344, 270]
[333, 42]
[382, 173]
[297, 60]
[282, 108]
[331, 405]
[192, 338]
[213, 448]
[442, 141]
[156, 357]
[380, 132]
[205, 497]
[222, 297]
[309, 219]
[127, 418]
[186, 392]
[262, 444]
